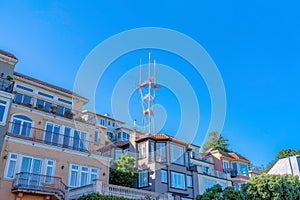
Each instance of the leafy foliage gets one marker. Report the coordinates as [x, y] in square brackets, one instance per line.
[123, 171]
[216, 142]
[269, 187]
[97, 196]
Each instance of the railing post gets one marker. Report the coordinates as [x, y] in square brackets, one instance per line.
[98, 186]
[169, 195]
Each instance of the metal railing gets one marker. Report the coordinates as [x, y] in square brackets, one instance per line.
[212, 172]
[6, 85]
[201, 157]
[47, 106]
[48, 137]
[39, 183]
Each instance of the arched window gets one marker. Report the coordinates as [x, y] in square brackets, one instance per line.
[21, 125]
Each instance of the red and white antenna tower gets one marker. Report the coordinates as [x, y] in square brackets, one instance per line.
[147, 90]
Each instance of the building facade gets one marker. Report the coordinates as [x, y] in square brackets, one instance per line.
[48, 147]
[234, 164]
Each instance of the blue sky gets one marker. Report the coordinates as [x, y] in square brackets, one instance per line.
[255, 45]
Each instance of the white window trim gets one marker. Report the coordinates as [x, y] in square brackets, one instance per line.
[4, 120]
[12, 120]
[19, 162]
[79, 174]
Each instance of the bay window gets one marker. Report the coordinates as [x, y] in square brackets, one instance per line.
[244, 169]
[177, 154]
[161, 154]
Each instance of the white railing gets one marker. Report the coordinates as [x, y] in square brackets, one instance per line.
[212, 172]
[115, 190]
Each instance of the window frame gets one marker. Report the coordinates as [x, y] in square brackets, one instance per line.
[163, 171]
[177, 160]
[5, 112]
[183, 180]
[189, 181]
[146, 184]
[142, 154]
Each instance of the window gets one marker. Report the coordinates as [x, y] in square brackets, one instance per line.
[237, 186]
[226, 166]
[108, 123]
[142, 150]
[110, 135]
[45, 105]
[21, 125]
[22, 99]
[79, 140]
[161, 155]
[61, 110]
[208, 183]
[234, 167]
[66, 140]
[125, 136]
[244, 169]
[143, 178]
[84, 176]
[96, 137]
[184, 198]
[74, 175]
[151, 151]
[45, 95]
[177, 154]
[24, 88]
[10, 172]
[3, 111]
[32, 168]
[163, 176]
[118, 154]
[102, 122]
[49, 171]
[205, 169]
[113, 124]
[51, 133]
[189, 181]
[94, 174]
[177, 180]
[64, 101]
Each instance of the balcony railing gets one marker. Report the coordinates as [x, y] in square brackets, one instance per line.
[48, 137]
[212, 172]
[47, 106]
[201, 157]
[115, 190]
[39, 183]
[233, 173]
[6, 85]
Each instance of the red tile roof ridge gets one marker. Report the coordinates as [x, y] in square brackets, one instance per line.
[10, 55]
[48, 85]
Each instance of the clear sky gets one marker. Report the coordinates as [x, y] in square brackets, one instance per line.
[255, 45]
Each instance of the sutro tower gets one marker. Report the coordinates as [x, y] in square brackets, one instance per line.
[147, 90]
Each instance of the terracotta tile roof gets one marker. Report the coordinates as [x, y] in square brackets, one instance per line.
[47, 85]
[231, 155]
[8, 54]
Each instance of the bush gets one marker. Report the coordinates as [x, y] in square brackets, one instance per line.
[97, 196]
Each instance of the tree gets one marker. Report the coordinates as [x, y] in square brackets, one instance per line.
[275, 187]
[216, 142]
[283, 153]
[213, 193]
[123, 171]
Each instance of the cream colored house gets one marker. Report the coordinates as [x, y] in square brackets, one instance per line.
[48, 146]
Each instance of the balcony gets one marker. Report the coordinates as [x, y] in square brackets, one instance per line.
[233, 173]
[48, 137]
[6, 85]
[201, 157]
[46, 106]
[211, 172]
[115, 190]
[38, 183]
